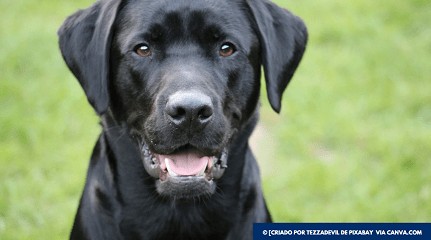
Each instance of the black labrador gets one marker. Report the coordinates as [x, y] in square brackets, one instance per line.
[176, 84]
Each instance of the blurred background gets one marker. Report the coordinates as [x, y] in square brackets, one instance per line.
[352, 144]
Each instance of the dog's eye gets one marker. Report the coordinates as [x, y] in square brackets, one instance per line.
[227, 49]
[143, 50]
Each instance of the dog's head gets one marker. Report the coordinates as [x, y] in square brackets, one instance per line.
[183, 76]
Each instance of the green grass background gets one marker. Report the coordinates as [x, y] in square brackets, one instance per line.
[353, 142]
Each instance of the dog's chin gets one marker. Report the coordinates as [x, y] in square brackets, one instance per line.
[185, 173]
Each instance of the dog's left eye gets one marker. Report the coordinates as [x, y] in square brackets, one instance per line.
[143, 50]
[227, 49]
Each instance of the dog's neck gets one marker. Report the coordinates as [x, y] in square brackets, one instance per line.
[127, 194]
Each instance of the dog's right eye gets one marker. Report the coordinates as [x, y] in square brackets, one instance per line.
[143, 50]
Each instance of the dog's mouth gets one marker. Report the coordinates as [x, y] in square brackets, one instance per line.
[186, 172]
[186, 161]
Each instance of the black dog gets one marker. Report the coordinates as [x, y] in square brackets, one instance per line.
[176, 84]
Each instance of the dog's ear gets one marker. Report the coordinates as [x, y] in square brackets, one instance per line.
[85, 39]
[283, 38]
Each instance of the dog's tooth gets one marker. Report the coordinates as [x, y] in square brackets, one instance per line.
[201, 173]
[172, 173]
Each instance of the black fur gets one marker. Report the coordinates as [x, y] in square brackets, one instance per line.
[131, 92]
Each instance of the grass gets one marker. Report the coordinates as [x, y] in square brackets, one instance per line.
[354, 137]
[353, 141]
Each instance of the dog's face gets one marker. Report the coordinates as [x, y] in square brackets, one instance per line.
[184, 78]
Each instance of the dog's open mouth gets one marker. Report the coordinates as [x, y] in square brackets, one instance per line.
[184, 173]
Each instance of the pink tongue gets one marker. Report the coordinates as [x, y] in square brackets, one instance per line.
[186, 164]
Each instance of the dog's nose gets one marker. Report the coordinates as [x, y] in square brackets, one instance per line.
[189, 109]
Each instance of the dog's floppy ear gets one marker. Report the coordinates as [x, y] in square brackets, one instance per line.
[283, 38]
[85, 39]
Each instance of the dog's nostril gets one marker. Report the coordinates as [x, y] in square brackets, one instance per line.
[205, 113]
[177, 112]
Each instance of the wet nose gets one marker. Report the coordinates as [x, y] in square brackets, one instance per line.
[189, 109]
